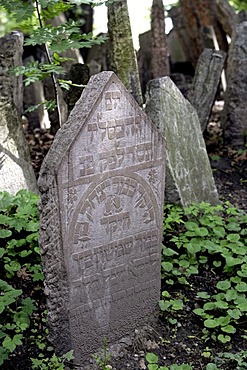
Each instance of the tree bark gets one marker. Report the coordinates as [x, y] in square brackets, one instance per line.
[159, 61]
[198, 16]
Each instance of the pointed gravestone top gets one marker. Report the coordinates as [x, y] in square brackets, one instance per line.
[189, 176]
[101, 207]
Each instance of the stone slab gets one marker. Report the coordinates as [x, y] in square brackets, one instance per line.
[188, 176]
[16, 171]
[205, 83]
[235, 111]
[101, 211]
[11, 87]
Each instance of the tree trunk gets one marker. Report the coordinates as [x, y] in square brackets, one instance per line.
[160, 61]
[198, 18]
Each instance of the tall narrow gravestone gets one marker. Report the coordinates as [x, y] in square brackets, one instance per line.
[101, 207]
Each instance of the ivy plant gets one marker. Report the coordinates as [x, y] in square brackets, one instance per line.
[207, 238]
[19, 261]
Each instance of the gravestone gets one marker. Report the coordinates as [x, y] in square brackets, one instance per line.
[188, 175]
[234, 118]
[16, 171]
[122, 55]
[205, 83]
[102, 186]
[11, 49]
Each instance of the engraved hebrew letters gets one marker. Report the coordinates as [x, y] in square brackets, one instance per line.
[110, 186]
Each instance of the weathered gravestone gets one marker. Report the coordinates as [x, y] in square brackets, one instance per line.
[188, 175]
[11, 49]
[16, 171]
[235, 111]
[102, 186]
[205, 83]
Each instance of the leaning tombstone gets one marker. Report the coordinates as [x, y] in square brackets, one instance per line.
[16, 171]
[102, 186]
[205, 83]
[188, 175]
[234, 118]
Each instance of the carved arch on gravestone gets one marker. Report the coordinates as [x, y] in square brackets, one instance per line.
[132, 185]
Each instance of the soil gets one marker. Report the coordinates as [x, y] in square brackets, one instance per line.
[183, 342]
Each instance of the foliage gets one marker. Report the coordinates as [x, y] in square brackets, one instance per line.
[102, 362]
[35, 17]
[153, 359]
[20, 257]
[207, 239]
[238, 4]
[52, 363]
[20, 277]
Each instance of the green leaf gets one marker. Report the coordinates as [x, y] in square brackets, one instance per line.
[229, 329]
[12, 266]
[209, 306]
[224, 338]
[168, 252]
[211, 366]
[217, 263]
[166, 294]
[223, 320]
[5, 233]
[28, 305]
[236, 279]
[231, 261]
[177, 304]
[201, 231]
[211, 323]
[242, 306]
[164, 305]
[241, 287]
[200, 312]
[190, 225]
[153, 367]
[221, 304]
[219, 231]
[167, 266]
[152, 358]
[223, 285]
[233, 238]
[203, 295]
[11, 343]
[235, 313]
[193, 248]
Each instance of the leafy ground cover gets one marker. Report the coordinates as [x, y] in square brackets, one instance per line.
[203, 301]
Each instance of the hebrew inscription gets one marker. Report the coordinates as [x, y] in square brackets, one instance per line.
[110, 188]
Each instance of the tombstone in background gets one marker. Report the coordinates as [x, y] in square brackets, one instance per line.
[16, 171]
[101, 210]
[11, 49]
[205, 83]
[188, 175]
[234, 118]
